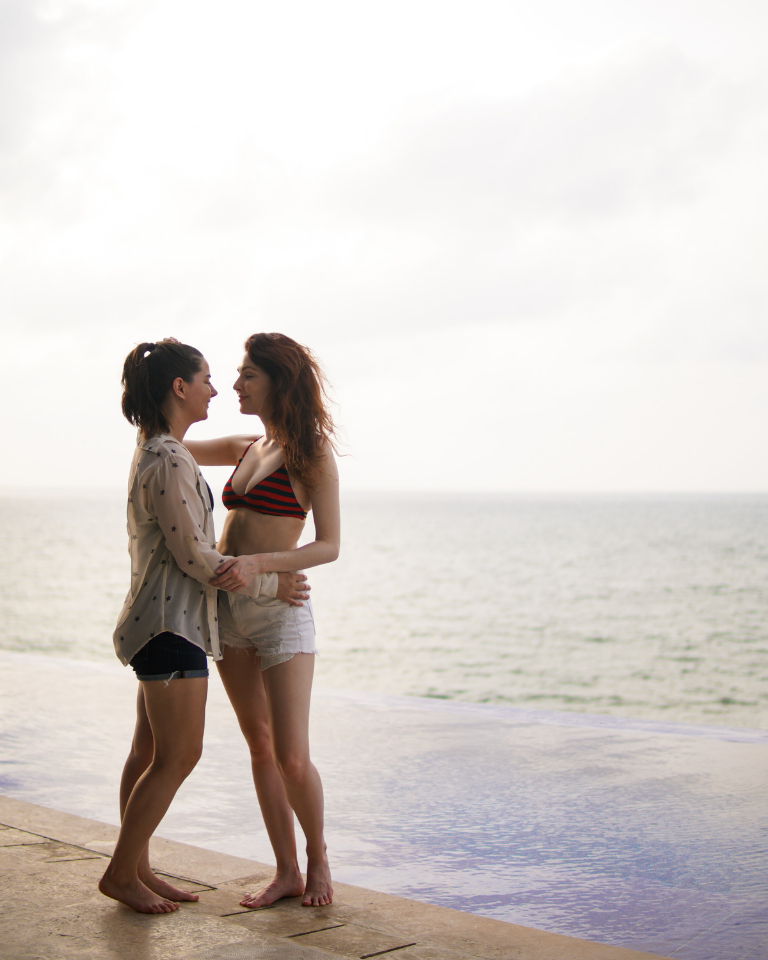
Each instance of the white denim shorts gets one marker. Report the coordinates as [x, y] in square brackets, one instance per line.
[276, 631]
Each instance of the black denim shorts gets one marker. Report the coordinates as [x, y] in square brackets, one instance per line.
[167, 656]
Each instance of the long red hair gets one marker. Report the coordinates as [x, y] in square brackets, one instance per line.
[299, 416]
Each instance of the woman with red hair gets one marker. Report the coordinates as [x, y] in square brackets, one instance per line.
[268, 644]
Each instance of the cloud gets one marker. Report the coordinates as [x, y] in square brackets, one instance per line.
[549, 260]
[596, 143]
[599, 191]
[56, 115]
[22, 48]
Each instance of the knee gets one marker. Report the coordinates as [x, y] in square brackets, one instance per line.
[259, 741]
[142, 751]
[293, 767]
[182, 761]
[186, 763]
[191, 755]
[260, 747]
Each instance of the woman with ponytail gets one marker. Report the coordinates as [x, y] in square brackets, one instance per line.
[268, 646]
[169, 620]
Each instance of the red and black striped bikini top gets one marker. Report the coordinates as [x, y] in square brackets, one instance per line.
[273, 495]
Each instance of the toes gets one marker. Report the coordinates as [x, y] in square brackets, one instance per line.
[251, 902]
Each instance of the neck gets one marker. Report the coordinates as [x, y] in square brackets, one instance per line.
[178, 426]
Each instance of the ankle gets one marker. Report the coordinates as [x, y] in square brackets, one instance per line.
[318, 857]
[119, 873]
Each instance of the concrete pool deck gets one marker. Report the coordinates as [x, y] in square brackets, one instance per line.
[52, 910]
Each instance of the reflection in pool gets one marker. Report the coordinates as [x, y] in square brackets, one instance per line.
[632, 833]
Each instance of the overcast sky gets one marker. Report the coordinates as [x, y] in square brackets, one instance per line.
[526, 240]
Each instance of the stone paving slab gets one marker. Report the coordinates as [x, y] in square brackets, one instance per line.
[51, 910]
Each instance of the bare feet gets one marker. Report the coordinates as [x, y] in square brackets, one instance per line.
[288, 884]
[319, 890]
[133, 893]
[164, 889]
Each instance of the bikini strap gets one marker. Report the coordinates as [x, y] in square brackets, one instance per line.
[246, 450]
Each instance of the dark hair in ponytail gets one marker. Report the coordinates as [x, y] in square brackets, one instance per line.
[148, 374]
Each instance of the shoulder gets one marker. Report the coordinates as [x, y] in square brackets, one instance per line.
[243, 442]
[328, 459]
[164, 451]
[327, 483]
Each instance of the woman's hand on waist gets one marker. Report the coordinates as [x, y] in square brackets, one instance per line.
[292, 588]
[238, 573]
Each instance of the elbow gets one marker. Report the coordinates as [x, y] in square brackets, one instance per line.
[324, 551]
[332, 552]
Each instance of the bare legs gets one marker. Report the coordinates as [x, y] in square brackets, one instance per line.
[288, 687]
[139, 758]
[241, 675]
[272, 708]
[170, 722]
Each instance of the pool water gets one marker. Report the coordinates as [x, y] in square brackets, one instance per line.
[635, 833]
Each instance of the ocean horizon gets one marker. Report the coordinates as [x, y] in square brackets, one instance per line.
[634, 605]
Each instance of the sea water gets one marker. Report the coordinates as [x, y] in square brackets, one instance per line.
[651, 607]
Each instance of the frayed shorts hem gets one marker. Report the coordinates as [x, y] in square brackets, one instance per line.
[175, 675]
[273, 630]
[267, 661]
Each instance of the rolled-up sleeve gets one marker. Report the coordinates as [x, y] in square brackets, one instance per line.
[173, 496]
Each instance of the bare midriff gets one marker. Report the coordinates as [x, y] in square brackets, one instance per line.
[246, 531]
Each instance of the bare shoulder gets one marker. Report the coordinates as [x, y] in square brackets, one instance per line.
[324, 498]
[328, 476]
[240, 443]
[329, 460]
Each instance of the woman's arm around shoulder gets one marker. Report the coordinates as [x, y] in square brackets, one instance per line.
[221, 452]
